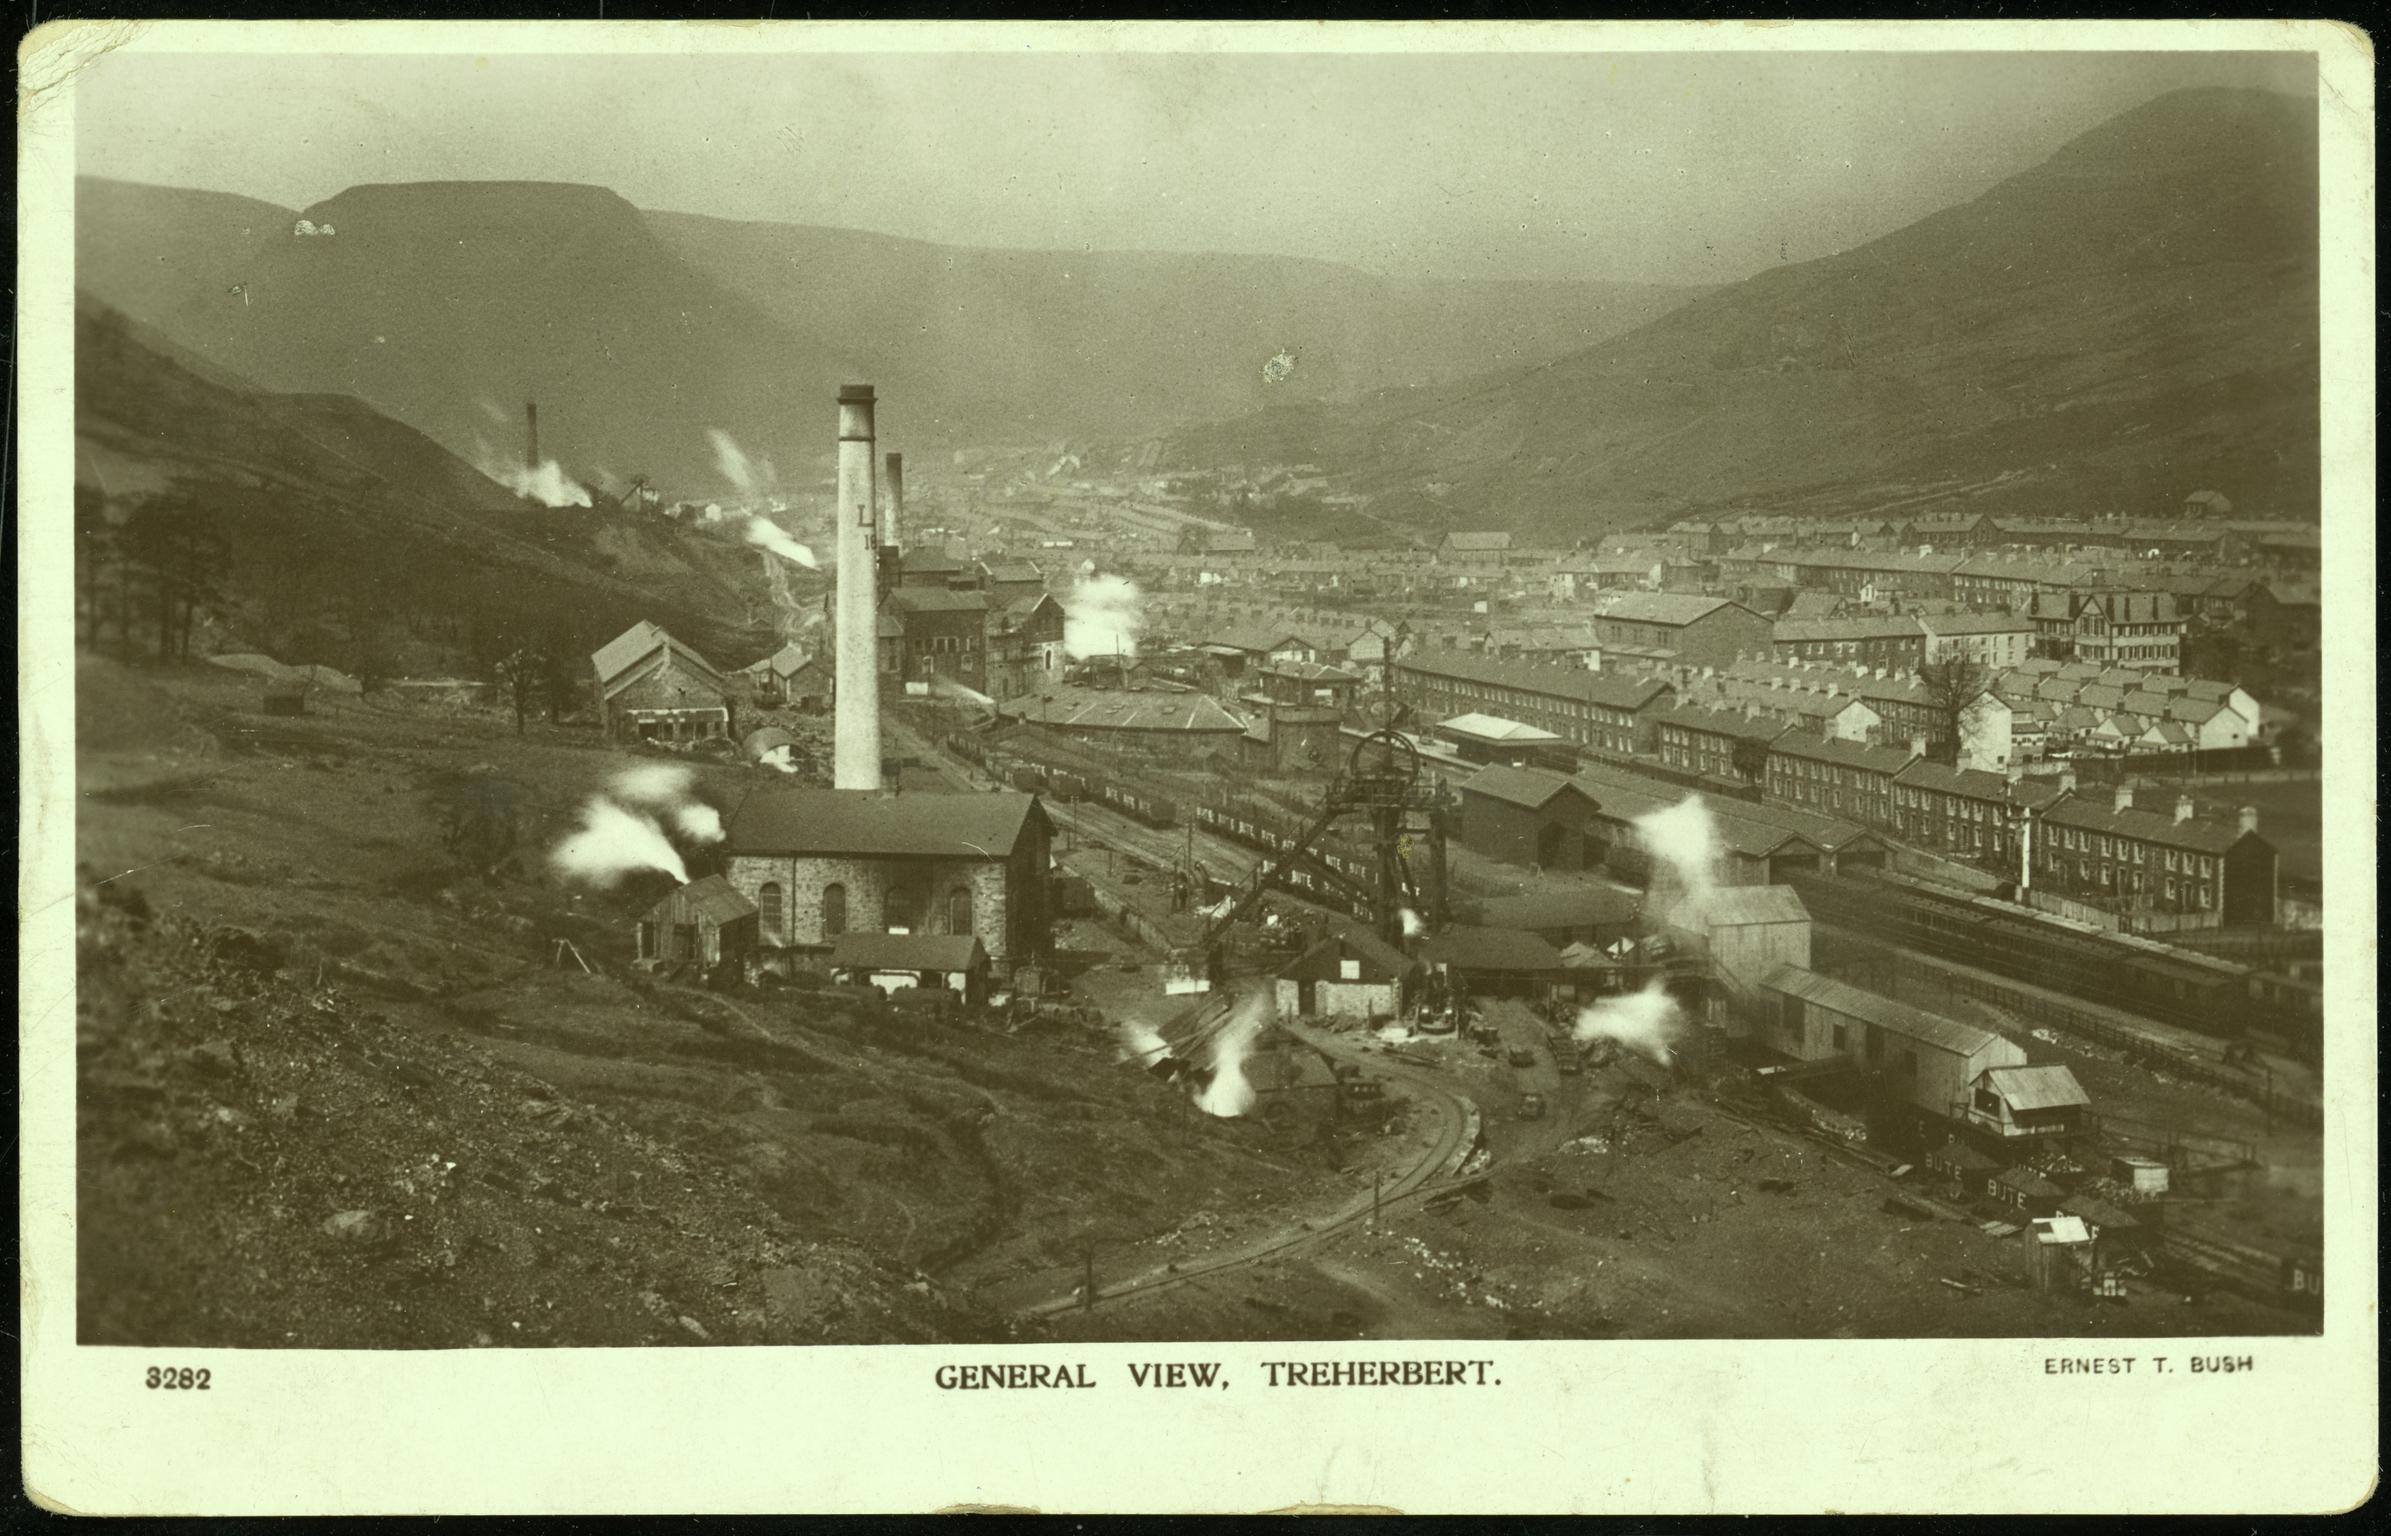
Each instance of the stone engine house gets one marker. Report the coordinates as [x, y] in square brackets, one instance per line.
[818, 863]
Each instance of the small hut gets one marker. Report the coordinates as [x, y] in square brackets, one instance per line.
[705, 922]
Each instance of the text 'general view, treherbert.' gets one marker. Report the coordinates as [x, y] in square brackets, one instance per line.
[1715, 738]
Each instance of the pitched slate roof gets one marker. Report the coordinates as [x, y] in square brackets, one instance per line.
[1849, 754]
[805, 821]
[2201, 834]
[941, 952]
[1674, 608]
[714, 900]
[1491, 949]
[1531, 788]
[635, 645]
[1143, 709]
[1742, 906]
[2048, 1087]
[1496, 728]
[1592, 907]
[1380, 960]
[1900, 1018]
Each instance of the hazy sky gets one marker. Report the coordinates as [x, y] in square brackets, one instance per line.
[1652, 167]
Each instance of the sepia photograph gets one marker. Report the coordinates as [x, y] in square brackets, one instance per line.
[1064, 696]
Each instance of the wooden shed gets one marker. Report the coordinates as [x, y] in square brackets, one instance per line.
[705, 922]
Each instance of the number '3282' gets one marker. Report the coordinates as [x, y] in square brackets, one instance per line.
[169, 1378]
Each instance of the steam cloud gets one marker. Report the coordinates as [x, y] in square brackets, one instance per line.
[754, 478]
[613, 844]
[664, 784]
[1141, 1043]
[1644, 1022]
[1684, 843]
[548, 484]
[1413, 925]
[1229, 1095]
[1103, 614]
[947, 688]
[766, 534]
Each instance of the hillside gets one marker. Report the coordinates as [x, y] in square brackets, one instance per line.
[448, 305]
[329, 508]
[2131, 320]
[1070, 344]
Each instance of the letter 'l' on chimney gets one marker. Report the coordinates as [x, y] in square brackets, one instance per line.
[855, 754]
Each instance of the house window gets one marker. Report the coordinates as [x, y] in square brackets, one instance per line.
[767, 902]
[897, 911]
[1349, 970]
[958, 909]
[834, 910]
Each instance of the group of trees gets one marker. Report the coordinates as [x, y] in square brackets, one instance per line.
[141, 583]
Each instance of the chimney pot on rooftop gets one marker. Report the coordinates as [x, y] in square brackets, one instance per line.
[2249, 819]
[2122, 799]
[2183, 809]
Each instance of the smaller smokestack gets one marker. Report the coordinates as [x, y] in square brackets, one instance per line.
[2183, 810]
[2249, 819]
[892, 504]
[531, 444]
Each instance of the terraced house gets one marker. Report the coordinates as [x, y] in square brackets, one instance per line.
[1969, 814]
[1601, 712]
[1837, 778]
[2190, 870]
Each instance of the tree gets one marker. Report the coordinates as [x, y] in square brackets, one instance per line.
[521, 673]
[1953, 685]
[1750, 758]
[479, 813]
[177, 559]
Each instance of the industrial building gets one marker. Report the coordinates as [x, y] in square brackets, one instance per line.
[1528, 816]
[652, 687]
[1349, 975]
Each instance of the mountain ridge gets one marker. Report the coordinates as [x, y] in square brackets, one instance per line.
[2132, 315]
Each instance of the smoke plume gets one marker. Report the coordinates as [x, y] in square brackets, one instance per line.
[1413, 926]
[1644, 1022]
[764, 533]
[1229, 1095]
[1684, 844]
[947, 688]
[1141, 1043]
[699, 822]
[654, 784]
[754, 478]
[548, 484]
[613, 844]
[1102, 615]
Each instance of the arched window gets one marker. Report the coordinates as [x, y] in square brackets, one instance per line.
[834, 910]
[767, 905]
[958, 909]
[897, 910]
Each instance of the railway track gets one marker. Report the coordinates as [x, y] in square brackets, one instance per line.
[1428, 1174]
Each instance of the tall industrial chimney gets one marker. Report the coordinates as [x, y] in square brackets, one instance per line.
[531, 443]
[855, 759]
[892, 509]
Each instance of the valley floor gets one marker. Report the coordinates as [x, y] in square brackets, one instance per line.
[338, 1090]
